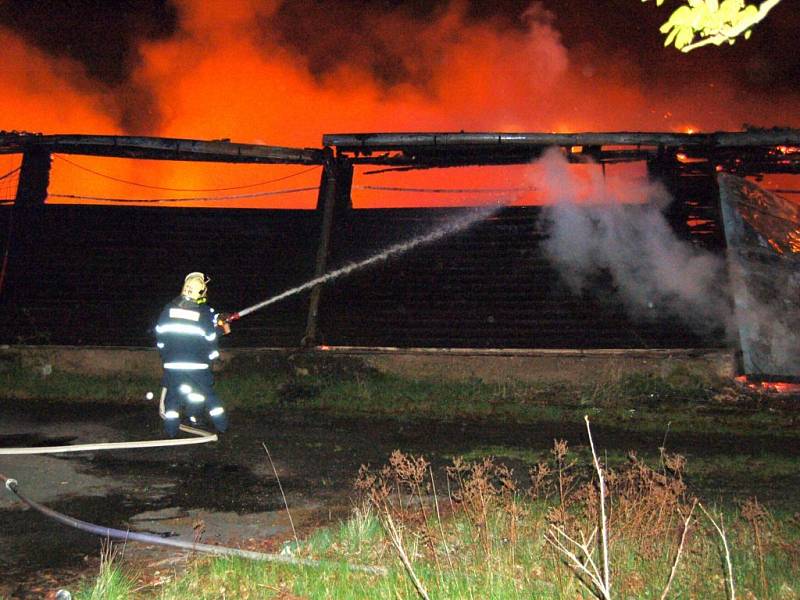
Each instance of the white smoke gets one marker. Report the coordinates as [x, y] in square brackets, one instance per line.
[595, 228]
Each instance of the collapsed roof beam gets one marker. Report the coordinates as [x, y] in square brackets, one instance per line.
[424, 150]
[158, 148]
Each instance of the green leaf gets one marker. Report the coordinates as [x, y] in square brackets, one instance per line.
[681, 16]
[671, 36]
[729, 9]
[748, 15]
[684, 37]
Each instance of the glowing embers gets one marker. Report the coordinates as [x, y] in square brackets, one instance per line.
[793, 238]
[788, 149]
[786, 155]
[774, 218]
[782, 388]
[685, 159]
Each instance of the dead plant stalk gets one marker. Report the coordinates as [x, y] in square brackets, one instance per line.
[603, 521]
[280, 487]
[397, 542]
[721, 531]
[678, 554]
[439, 519]
[586, 565]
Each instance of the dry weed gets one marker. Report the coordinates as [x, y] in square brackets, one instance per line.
[399, 492]
[647, 503]
[758, 518]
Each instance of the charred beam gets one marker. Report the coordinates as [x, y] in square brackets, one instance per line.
[331, 180]
[775, 150]
[34, 177]
[158, 148]
[387, 141]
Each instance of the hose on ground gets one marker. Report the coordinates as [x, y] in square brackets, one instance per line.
[202, 437]
[131, 536]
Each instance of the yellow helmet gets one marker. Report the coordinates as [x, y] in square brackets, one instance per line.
[195, 286]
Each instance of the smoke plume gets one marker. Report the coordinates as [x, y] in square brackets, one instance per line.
[595, 228]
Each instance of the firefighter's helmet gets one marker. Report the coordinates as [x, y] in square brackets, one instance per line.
[195, 286]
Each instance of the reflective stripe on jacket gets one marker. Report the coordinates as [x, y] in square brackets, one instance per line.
[186, 335]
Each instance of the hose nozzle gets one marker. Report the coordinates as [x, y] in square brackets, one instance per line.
[11, 484]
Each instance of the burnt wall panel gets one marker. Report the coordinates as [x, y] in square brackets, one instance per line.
[488, 286]
[100, 275]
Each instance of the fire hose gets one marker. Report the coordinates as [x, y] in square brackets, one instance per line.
[201, 437]
[131, 536]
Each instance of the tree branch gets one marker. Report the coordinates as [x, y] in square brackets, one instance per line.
[728, 34]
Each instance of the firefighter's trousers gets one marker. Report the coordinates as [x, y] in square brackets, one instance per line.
[190, 394]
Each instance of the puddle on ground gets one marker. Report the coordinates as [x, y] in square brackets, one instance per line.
[31, 440]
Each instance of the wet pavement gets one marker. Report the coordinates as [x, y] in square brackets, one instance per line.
[225, 492]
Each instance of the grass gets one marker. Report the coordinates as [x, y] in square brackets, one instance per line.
[112, 583]
[31, 384]
[481, 537]
[689, 401]
[487, 538]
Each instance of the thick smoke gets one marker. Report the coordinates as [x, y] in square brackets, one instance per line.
[595, 229]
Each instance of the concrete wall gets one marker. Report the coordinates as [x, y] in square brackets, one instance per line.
[487, 365]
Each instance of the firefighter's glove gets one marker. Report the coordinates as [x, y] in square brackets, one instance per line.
[222, 323]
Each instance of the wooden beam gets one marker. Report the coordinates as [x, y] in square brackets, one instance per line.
[764, 151]
[390, 141]
[326, 202]
[158, 148]
[34, 178]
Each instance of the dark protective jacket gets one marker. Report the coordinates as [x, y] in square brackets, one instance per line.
[186, 335]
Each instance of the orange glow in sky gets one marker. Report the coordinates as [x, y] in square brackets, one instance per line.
[219, 76]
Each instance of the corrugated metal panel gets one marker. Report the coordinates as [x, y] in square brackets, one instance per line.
[99, 275]
[487, 287]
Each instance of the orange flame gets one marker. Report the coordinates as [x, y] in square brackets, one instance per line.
[220, 76]
[769, 387]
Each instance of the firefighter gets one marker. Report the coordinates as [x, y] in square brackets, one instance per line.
[187, 339]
